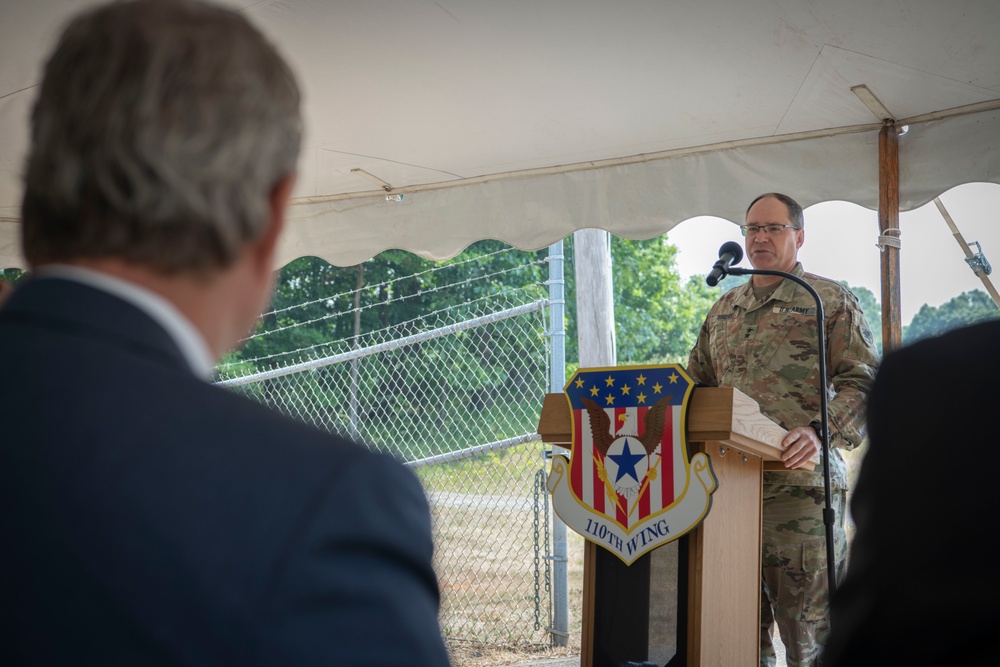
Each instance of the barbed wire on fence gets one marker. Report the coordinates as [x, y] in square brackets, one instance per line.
[487, 283]
[441, 317]
[435, 269]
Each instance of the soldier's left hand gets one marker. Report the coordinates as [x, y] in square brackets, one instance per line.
[800, 445]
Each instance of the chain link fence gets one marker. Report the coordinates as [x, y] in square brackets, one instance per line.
[455, 393]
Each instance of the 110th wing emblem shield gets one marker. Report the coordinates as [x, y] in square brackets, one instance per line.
[629, 484]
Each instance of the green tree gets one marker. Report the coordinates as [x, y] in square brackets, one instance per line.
[966, 308]
[314, 300]
[319, 309]
[12, 275]
[657, 314]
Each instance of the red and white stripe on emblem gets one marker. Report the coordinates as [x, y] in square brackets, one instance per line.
[671, 474]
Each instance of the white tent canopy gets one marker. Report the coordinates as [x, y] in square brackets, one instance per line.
[525, 120]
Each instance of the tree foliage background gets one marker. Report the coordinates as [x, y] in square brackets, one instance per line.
[315, 302]
[966, 308]
[657, 313]
[12, 276]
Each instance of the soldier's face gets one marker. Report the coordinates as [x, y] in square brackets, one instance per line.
[776, 252]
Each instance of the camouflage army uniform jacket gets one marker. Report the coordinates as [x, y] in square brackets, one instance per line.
[769, 352]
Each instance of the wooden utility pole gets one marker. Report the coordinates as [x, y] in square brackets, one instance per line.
[595, 305]
[595, 331]
[615, 595]
[888, 224]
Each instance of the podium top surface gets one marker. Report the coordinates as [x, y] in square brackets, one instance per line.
[715, 414]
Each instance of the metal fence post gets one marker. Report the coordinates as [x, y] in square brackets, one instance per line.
[557, 378]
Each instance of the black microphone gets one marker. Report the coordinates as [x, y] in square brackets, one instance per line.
[730, 253]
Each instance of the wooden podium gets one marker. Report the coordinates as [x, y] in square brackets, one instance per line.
[723, 553]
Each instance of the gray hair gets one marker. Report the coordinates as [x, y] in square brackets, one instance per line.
[795, 214]
[159, 132]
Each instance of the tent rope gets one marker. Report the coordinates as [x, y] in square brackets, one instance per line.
[886, 240]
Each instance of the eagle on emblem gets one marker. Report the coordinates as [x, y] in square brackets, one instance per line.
[630, 468]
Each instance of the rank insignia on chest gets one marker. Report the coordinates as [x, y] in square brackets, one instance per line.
[629, 484]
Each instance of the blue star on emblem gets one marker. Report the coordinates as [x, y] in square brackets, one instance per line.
[626, 462]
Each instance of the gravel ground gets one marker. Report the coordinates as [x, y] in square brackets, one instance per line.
[574, 661]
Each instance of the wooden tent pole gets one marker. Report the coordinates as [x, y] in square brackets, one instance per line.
[888, 223]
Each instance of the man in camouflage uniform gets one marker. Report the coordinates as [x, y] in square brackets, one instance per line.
[761, 339]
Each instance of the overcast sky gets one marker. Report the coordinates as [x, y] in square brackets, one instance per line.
[840, 244]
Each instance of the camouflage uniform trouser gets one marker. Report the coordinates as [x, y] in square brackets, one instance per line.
[794, 585]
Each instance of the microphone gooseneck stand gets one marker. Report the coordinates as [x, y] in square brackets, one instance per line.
[829, 515]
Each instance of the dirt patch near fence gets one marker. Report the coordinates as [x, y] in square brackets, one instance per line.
[464, 654]
[477, 599]
[476, 602]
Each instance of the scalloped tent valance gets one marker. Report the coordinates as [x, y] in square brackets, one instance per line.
[509, 120]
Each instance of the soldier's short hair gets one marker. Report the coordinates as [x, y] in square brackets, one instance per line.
[794, 210]
[160, 129]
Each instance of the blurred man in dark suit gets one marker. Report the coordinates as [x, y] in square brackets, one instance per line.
[149, 518]
[919, 589]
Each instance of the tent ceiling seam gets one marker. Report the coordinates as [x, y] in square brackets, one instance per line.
[638, 159]
[652, 157]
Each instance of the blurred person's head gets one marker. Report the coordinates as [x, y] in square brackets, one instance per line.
[163, 149]
[160, 132]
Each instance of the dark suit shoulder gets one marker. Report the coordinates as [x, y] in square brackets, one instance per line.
[146, 505]
[929, 412]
